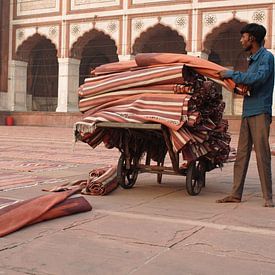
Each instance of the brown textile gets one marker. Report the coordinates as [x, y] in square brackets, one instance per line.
[202, 66]
[168, 110]
[194, 120]
[101, 182]
[70, 206]
[114, 67]
[40, 208]
[97, 101]
[160, 89]
[131, 79]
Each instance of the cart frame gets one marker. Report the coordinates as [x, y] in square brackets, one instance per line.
[129, 166]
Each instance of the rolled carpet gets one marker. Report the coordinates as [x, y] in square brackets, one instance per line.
[101, 182]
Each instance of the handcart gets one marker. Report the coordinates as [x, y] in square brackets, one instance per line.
[150, 142]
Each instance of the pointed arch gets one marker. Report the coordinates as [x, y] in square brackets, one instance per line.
[24, 50]
[106, 43]
[159, 38]
[223, 45]
[94, 48]
[42, 71]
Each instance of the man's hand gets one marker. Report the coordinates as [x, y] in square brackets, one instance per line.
[222, 74]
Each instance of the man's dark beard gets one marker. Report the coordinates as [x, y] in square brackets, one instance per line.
[247, 49]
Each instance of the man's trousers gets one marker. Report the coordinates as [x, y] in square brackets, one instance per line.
[254, 131]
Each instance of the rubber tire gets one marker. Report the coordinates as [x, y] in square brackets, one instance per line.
[195, 178]
[126, 179]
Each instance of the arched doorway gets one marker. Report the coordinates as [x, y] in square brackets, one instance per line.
[159, 38]
[94, 48]
[42, 72]
[223, 47]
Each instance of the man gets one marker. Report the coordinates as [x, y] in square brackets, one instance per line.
[257, 114]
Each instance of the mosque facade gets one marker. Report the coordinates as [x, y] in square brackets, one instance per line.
[48, 47]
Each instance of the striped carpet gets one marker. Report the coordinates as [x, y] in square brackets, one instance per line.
[160, 89]
[11, 179]
[29, 166]
[6, 201]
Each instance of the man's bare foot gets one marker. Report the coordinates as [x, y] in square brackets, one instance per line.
[269, 203]
[229, 199]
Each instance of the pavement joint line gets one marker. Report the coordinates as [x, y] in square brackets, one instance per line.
[218, 226]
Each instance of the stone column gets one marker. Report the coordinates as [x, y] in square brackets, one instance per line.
[68, 83]
[228, 99]
[126, 57]
[17, 86]
[197, 54]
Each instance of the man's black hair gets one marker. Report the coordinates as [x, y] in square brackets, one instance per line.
[256, 30]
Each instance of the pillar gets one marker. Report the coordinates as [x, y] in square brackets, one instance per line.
[126, 57]
[68, 83]
[17, 86]
[228, 99]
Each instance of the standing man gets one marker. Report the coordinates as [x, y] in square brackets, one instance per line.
[257, 114]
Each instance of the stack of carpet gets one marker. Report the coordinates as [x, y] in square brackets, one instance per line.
[175, 90]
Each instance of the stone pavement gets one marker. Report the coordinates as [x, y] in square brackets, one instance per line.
[149, 229]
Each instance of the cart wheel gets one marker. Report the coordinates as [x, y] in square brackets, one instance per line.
[195, 178]
[126, 178]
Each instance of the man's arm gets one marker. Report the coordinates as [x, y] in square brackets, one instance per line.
[223, 74]
[249, 78]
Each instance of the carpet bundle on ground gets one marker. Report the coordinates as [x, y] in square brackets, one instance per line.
[100, 182]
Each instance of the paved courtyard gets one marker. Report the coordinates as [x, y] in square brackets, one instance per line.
[150, 229]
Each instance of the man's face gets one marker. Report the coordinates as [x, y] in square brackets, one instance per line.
[246, 41]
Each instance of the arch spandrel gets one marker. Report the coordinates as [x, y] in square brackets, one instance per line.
[49, 32]
[110, 28]
[78, 46]
[159, 38]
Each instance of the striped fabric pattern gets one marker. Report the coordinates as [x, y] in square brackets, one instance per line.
[101, 181]
[171, 111]
[157, 92]
[124, 80]
[98, 100]
[202, 66]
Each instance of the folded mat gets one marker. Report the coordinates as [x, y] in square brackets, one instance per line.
[150, 61]
[101, 182]
[202, 66]
[45, 207]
